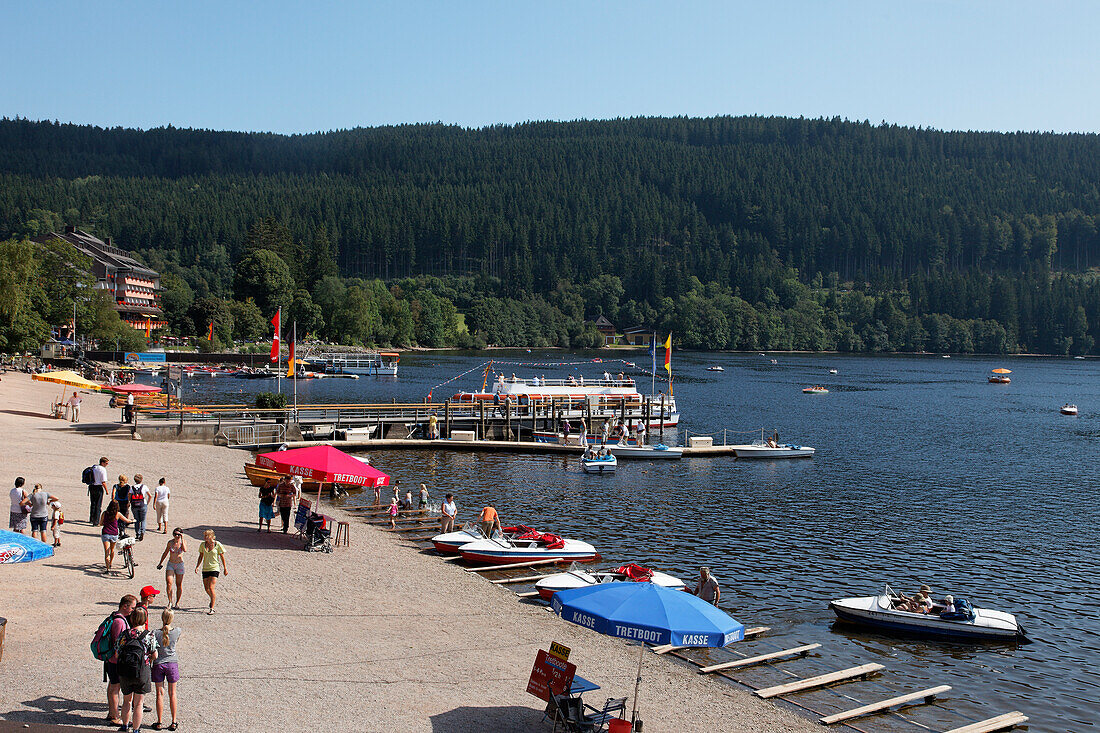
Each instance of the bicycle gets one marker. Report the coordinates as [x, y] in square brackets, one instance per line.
[124, 547]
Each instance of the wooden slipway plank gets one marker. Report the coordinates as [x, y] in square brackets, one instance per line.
[1001, 722]
[751, 661]
[875, 707]
[820, 681]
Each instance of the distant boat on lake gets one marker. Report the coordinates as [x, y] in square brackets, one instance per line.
[1000, 376]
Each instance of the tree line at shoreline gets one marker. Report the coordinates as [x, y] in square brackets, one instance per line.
[733, 233]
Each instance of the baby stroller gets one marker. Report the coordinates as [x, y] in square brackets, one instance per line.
[317, 536]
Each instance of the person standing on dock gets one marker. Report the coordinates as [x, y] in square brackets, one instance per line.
[447, 520]
[707, 587]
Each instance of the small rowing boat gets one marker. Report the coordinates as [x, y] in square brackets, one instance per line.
[576, 578]
[966, 623]
[527, 547]
[599, 464]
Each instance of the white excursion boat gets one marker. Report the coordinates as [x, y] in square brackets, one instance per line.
[576, 397]
[599, 464]
[370, 363]
[967, 623]
[715, 369]
[450, 542]
[660, 451]
[576, 578]
[525, 548]
[1068, 409]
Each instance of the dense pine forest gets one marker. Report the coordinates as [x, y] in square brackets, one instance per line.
[741, 233]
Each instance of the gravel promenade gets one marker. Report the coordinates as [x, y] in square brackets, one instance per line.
[375, 637]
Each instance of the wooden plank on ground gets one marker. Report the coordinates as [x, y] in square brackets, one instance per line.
[841, 675]
[523, 579]
[753, 661]
[527, 594]
[528, 564]
[875, 707]
[1008, 720]
[666, 648]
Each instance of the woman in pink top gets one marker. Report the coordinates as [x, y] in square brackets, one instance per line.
[110, 522]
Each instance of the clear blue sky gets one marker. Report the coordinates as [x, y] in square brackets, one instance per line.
[307, 66]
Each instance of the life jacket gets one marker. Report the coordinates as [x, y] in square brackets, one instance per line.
[635, 572]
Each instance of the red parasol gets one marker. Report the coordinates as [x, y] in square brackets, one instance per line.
[323, 464]
[134, 389]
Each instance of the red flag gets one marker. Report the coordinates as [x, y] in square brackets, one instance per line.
[148, 327]
[210, 336]
[275, 341]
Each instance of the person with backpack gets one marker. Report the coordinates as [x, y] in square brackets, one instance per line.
[136, 651]
[95, 477]
[138, 505]
[104, 648]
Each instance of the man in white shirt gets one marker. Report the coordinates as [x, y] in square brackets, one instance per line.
[97, 489]
[74, 407]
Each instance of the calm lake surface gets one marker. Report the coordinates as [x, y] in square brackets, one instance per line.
[925, 473]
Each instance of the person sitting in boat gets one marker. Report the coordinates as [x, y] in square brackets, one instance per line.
[514, 380]
[920, 603]
[606, 376]
[604, 452]
[948, 606]
[572, 381]
[590, 454]
[773, 442]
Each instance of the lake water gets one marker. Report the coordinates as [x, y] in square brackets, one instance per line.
[925, 473]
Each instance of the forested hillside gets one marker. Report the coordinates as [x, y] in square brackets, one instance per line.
[733, 232]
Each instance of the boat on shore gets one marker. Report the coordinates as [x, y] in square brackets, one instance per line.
[527, 547]
[816, 389]
[599, 464]
[450, 542]
[577, 578]
[973, 624]
[1068, 409]
[658, 451]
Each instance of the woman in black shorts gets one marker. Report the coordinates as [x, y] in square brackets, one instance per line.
[211, 559]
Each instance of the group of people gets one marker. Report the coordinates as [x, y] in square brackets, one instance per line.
[38, 509]
[135, 659]
[279, 496]
[922, 602]
[127, 497]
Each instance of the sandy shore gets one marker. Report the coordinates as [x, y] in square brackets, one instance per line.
[375, 637]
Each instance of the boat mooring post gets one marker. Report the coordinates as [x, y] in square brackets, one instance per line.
[534, 418]
[662, 415]
[482, 404]
[622, 410]
[647, 415]
[447, 417]
[588, 412]
[507, 418]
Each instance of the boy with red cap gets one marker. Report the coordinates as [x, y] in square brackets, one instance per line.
[147, 594]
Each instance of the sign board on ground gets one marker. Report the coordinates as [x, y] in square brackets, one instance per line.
[550, 674]
[560, 651]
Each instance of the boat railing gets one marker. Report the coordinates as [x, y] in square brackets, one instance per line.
[578, 382]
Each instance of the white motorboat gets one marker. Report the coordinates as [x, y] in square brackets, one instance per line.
[779, 450]
[816, 389]
[1068, 409]
[600, 464]
[834, 371]
[715, 369]
[576, 578]
[525, 548]
[450, 542]
[659, 450]
[967, 623]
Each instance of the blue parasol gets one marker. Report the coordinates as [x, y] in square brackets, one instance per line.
[15, 547]
[649, 614]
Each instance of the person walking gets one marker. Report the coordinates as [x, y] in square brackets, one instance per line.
[40, 501]
[121, 494]
[120, 623]
[97, 489]
[74, 407]
[267, 505]
[57, 518]
[110, 522]
[447, 518]
[422, 502]
[212, 562]
[174, 550]
[166, 671]
[392, 513]
[285, 493]
[20, 507]
[138, 505]
[161, 495]
[136, 652]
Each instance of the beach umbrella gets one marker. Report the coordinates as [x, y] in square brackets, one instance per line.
[649, 614]
[325, 465]
[134, 389]
[67, 377]
[1002, 371]
[15, 547]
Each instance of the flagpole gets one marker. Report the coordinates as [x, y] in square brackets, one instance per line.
[279, 353]
[294, 359]
[653, 372]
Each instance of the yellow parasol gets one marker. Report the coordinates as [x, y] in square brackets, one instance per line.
[1002, 371]
[70, 378]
